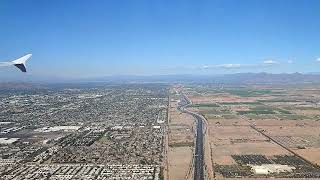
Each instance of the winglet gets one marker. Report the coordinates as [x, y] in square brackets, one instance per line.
[21, 62]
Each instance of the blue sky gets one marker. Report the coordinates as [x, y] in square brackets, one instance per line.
[149, 37]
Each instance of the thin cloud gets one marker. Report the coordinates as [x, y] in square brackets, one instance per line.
[263, 64]
[318, 59]
[228, 66]
[205, 67]
[270, 62]
[238, 66]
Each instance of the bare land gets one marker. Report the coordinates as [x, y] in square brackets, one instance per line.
[260, 124]
[179, 162]
[181, 142]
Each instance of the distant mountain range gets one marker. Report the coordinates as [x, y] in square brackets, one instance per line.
[240, 78]
[267, 78]
[16, 85]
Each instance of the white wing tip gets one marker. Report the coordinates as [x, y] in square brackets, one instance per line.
[21, 62]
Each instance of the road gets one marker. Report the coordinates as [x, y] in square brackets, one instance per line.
[198, 166]
[198, 154]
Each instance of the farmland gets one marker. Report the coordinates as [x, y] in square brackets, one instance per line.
[260, 126]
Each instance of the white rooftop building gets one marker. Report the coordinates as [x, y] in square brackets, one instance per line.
[58, 128]
[8, 140]
[271, 168]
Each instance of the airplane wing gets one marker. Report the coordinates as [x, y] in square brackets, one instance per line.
[22, 67]
[21, 62]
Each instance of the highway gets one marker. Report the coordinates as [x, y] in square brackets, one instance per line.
[198, 154]
[198, 166]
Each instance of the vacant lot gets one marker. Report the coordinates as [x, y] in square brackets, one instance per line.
[239, 140]
[311, 153]
[179, 162]
[181, 141]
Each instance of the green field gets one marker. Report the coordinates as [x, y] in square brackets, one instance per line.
[256, 112]
[247, 92]
[241, 103]
[277, 100]
[264, 110]
[205, 105]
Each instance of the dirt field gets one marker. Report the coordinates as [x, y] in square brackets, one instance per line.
[221, 97]
[226, 122]
[284, 123]
[312, 154]
[239, 140]
[179, 162]
[180, 143]
[263, 148]
[291, 130]
[234, 132]
[223, 159]
[180, 127]
[289, 116]
[208, 153]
